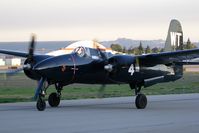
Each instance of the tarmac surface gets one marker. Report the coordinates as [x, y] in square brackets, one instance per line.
[164, 113]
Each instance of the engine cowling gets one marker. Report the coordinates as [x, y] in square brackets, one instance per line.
[118, 67]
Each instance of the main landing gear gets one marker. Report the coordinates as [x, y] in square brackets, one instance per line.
[53, 99]
[141, 99]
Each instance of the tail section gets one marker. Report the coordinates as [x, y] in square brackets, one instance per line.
[174, 42]
[174, 39]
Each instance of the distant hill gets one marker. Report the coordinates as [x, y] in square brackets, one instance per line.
[134, 43]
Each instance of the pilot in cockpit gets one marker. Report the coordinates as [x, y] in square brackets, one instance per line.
[89, 52]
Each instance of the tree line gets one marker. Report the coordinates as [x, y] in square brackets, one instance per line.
[141, 50]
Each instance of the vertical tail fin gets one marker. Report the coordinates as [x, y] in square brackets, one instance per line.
[174, 39]
[174, 42]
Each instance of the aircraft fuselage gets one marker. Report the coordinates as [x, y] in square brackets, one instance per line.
[70, 68]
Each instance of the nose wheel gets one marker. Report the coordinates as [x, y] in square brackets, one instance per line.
[41, 104]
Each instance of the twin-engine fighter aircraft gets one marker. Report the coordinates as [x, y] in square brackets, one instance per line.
[93, 66]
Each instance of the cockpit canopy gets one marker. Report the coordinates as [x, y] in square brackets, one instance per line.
[90, 52]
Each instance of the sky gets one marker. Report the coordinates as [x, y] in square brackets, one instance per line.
[59, 20]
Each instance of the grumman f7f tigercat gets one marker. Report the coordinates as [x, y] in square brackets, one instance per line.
[93, 66]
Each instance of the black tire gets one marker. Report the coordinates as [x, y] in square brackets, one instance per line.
[41, 104]
[141, 101]
[53, 99]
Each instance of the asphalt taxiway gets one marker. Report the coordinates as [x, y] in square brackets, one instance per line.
[165, 113]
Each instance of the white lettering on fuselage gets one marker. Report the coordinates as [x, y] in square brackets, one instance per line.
[131, 69]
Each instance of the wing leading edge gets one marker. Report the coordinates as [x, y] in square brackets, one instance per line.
[167, 57]
[15, 53]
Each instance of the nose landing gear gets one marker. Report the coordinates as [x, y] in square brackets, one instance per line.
[41, 104]
[40, 94]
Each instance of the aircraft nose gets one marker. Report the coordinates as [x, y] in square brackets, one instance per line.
[43, 65]
[55, 68]
[46, 69]
[51, 62]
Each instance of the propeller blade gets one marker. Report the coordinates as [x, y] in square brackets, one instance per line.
[31, 49]
[15, 71]
[101, 91]
[103, 55]
[39, 88]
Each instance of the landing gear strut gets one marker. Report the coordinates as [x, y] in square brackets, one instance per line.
[40, 94]
[54, 98]
[141, 99]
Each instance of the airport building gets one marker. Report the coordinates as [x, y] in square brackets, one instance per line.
[7, 62]
[13, 62]
[2, 62]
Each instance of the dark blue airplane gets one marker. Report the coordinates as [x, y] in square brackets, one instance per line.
[93, 66]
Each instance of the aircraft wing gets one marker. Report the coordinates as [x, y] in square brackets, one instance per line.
[15, 53]
[167, 57]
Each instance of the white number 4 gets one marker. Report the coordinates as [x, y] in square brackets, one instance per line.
[131, 69]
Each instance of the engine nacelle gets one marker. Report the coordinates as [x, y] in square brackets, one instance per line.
[118, 66]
